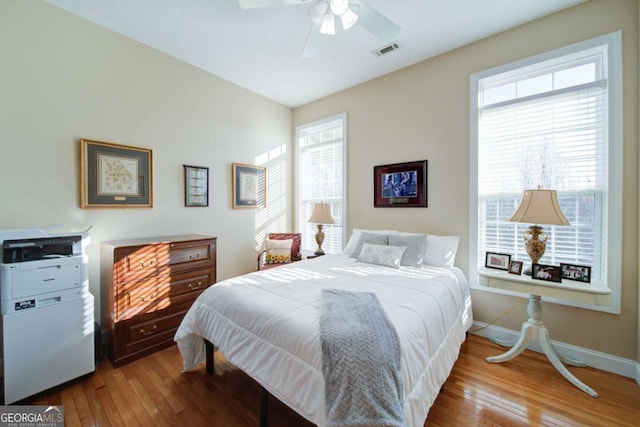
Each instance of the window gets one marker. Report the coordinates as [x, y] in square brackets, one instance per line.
[551, 121]
[321, 160]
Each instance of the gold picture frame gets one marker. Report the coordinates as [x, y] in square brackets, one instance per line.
[249, 186]
[115, 175]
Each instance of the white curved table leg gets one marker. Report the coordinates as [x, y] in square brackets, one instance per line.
[519, 346]
[567, 359]
[534, 329]
[547, 347]
[504, 343]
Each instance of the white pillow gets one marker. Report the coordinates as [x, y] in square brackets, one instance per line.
[389, 256]
[366, 237]
[441, 250]
[278, 251]
[416, 246]
[355, 237]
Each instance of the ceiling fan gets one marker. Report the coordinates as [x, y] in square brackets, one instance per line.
[324, 14]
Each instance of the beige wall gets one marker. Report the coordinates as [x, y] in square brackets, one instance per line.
[422, 112]
[64, 78]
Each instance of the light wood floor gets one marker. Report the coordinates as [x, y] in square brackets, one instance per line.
[523, 392]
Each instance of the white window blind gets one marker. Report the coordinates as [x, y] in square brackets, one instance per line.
[544, 122]
[320, 172]
[557, 141]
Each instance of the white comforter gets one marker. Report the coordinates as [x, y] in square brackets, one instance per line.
[268, 324]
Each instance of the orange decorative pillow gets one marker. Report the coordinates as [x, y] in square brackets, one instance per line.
[278, 251]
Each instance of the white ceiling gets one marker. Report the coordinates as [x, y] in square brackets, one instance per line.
[260, 49]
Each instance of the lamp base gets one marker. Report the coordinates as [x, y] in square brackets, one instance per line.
[535, 242]
[319, 241]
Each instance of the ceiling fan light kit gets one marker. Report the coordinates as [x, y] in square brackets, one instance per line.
[330, 9]
[338, 7]
[323, 15]
[328, 26]
[349, 19]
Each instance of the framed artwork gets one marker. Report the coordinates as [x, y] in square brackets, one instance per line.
[115, 176]
[196, 185]
[580, 273]
[400, 185]
[249, 186]
[550, 273]
[515, 267]
[497, 260]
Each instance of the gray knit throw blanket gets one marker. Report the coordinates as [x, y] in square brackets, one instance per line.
[360, 361]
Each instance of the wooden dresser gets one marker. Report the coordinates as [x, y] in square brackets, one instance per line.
[147, 286]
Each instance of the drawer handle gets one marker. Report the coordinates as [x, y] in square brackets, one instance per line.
[193, 288]
[148, 264]
[194, 257]
[147, 333]
[151, 297]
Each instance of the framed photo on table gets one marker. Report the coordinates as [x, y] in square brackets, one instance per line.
[580, 273]
[400, 185]
[115, 175]
[196, 186]
[249, 186]
[515, 267]
[550, 273]
[497, 260]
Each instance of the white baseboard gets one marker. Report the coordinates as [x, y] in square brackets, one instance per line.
[595, 359]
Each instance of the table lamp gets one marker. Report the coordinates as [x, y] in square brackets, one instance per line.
[538, 207]
[321, 215]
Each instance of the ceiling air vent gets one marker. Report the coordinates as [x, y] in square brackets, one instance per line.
[387, 49]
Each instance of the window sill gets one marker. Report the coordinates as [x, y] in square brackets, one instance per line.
[596, 296]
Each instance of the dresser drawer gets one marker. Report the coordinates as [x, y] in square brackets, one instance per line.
[192, 254]
[139, 262]
[162, 292]
[152, 330]
[144, 335]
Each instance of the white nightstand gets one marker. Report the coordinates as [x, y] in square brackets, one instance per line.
[533, 329]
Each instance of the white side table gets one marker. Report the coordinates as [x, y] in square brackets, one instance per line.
[533, 329]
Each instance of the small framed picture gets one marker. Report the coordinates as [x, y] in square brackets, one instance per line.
[580, 273]
[550, 273]
[515, 267]
[249, 186]
[196, 186]
[497, 260]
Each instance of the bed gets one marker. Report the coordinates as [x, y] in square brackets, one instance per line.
[267, 324]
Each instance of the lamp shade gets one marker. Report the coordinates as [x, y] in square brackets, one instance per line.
[321, 214]
[349, 19]
[328, 25]
[539, 207]
[338, 7]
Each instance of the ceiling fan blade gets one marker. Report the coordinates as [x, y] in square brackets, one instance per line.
[313, 41]
[253, 4]
[376, 23]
